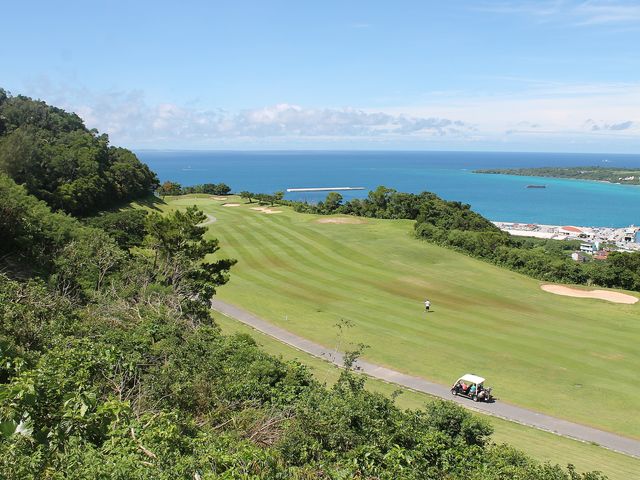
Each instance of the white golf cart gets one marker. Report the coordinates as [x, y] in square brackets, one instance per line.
[472, 386]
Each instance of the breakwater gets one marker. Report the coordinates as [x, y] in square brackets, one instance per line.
[324, 189]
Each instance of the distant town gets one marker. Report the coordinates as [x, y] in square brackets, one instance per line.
[596, 242]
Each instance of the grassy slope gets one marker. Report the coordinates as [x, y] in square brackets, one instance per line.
[543, 446]
[564, 356]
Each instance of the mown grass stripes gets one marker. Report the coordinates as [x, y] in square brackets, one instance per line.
[306, 276]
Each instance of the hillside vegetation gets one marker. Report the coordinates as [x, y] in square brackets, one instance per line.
[59, 160]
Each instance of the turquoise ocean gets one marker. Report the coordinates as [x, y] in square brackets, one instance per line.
[448, 174]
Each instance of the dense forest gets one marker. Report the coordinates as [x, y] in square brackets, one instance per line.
[59, 160]
[455, 225]
[627, 176]
[113, 368]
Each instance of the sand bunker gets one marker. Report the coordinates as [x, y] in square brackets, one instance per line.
[615, 297]
[352, 220]
[217, 197]
[231, 205]
[266, 210]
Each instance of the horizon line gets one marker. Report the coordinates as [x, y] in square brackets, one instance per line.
[364, 150]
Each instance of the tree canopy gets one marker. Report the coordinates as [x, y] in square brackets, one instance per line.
[60, 161]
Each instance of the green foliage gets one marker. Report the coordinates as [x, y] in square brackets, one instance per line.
[135, 390]
[126, 227]
[174, 188]
[247, 195]
[169, 188]
[84, 263]
[547, 260]
[386, 202]
[179, 248]
[29, 228]
[60, 161]
[208, 188]
[268, 199]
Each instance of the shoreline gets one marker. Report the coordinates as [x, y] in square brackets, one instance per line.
[608, 182]
[624, 238]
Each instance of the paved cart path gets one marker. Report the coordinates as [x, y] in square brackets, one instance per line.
[210, 219]
[499, 409]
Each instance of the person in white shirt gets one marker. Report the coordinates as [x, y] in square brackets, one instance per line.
[427, 305]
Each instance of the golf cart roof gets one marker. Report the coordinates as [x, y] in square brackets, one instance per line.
[471, 378]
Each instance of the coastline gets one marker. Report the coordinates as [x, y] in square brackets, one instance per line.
[554, 177]
[447, 174]
[624, 238]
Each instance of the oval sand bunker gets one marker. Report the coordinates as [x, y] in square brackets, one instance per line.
[266, 210]
[615, 297]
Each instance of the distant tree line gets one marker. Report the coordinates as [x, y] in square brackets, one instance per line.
[455, 225]
[170, 188]
[59, 160]
[623, 175]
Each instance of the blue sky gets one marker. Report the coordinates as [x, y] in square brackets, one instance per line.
[464, 75]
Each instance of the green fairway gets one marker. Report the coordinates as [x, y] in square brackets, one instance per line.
[542, 446]
[570, 357]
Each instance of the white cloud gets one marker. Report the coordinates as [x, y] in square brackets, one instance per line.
[607, 12]
[545, 116]
[541, 107]
[129, 119]
[613, 127]
[576, 13]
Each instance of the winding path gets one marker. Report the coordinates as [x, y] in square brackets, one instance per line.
[209, 221]
[548, 423]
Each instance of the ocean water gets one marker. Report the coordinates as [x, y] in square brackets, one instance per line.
[448, 174]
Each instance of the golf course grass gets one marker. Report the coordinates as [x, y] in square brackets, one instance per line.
[574, 358]
[543, 446]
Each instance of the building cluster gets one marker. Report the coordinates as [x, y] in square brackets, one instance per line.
[596, 242]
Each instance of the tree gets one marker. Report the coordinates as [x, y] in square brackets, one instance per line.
[127, 227]
[220, 189]
[332, 202]
[170, 188]
[247, 195]
[276, 197]
[28, 227]
[62, 162]
[179, 250]
[83, 264]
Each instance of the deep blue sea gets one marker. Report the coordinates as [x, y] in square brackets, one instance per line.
[448, 174]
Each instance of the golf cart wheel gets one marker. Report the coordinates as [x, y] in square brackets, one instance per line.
[454, 392]
[474, 398]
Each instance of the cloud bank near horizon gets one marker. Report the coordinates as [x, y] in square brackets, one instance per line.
[128, 117]
[500, 123]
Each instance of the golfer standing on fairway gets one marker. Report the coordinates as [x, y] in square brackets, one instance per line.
[427, 304]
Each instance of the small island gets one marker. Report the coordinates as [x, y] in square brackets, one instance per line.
[626, 176]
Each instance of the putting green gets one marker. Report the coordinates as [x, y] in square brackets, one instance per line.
[574, 358]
